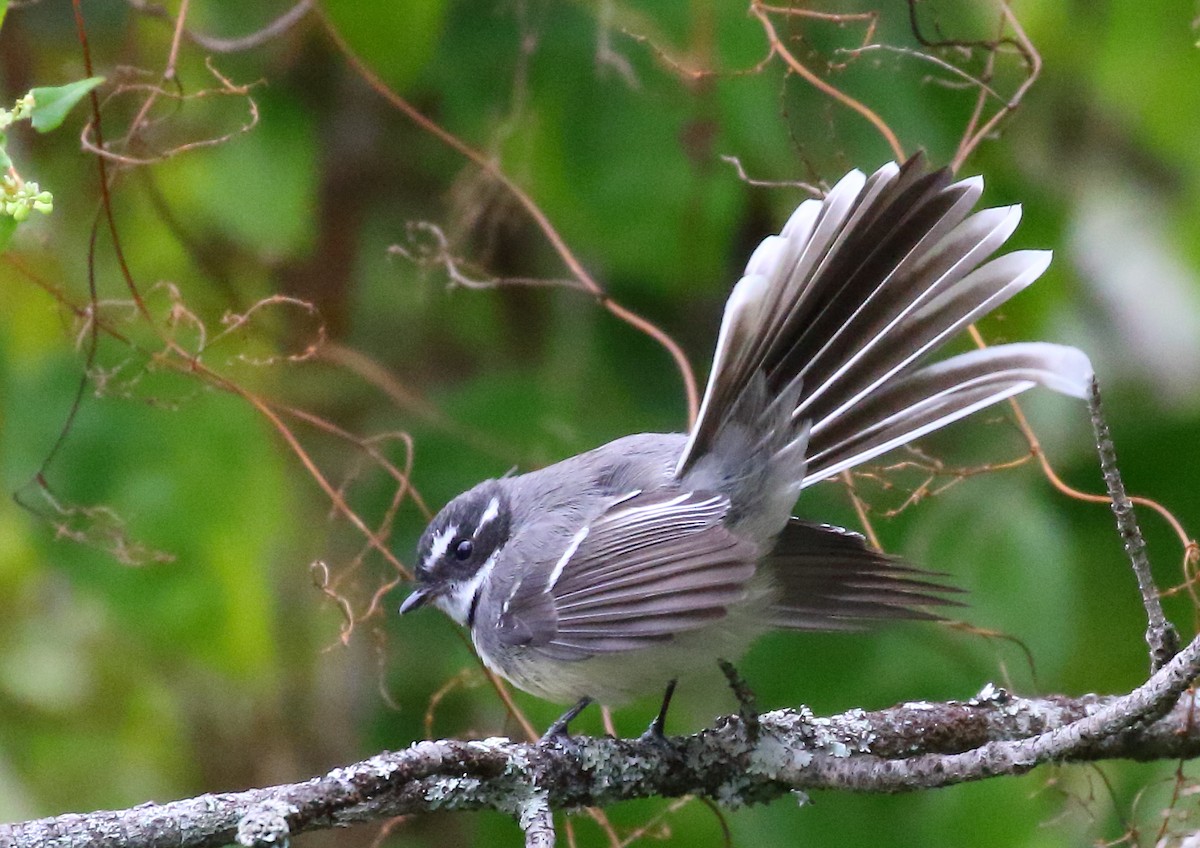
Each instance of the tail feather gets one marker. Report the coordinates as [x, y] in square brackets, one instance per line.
[937, 395]
[895, 348]
[837, 314]
[859, 271]
[905, 316]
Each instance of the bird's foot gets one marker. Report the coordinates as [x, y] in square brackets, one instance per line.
[558, 732]
[654, 733]
[747, 705]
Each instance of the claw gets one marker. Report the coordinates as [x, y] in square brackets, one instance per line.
[747, 708]
[558, 732]
[655, 730]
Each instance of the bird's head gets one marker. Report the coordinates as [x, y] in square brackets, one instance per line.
[458, 549]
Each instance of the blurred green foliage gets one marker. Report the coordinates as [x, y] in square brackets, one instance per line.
[163, 629]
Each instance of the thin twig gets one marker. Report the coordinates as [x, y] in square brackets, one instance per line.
[860, 509]
[736, 162]
[760, 11]
[925, 57]
[1161, 635]
[537, 821]
[489, 166]
[216, 44]
[1033, 61]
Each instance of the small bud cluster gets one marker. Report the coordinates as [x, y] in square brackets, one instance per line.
[17, 197]
[21, 110]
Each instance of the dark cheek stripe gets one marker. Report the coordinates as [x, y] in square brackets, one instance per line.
[474, 607]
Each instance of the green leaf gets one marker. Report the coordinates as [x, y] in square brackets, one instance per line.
[5, 162]
[3, 11]
[8, 226]
[51, 105]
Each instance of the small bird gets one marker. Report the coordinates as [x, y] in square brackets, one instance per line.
[613, 572]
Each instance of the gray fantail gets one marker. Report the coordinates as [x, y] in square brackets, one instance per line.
[610, 573]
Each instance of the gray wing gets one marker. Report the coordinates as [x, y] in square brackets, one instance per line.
[651, 566]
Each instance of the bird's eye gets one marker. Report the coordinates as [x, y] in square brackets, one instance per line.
[463, 550]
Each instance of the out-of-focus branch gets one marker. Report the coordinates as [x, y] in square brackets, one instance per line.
[238, 44]
[761, 11]
[491, 167]
[908, 747]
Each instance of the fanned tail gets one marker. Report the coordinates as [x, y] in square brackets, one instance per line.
[822, 364]
[819, 362]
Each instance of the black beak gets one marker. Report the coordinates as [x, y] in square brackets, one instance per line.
[417, 599]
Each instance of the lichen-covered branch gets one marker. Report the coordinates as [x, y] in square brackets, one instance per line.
[908, 747]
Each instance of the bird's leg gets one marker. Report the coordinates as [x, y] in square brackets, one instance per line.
[747, 708]
[557, 732]
[655, 731]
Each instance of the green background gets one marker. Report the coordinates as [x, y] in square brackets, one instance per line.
[161, 630]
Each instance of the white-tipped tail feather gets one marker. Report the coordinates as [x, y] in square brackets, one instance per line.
[939, 394]
[845, 305]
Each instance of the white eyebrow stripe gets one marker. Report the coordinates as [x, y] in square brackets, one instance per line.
[441, 542]
[576, 541]
[489, 514]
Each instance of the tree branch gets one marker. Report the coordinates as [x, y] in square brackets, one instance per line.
[907, 747]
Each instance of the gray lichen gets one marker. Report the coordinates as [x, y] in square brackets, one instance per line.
[266, 824]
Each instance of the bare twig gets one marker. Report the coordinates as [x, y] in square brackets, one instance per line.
[216, 44]
[537, 821]
[815, 191]
[761, 12]
[1161, 635]
[1033, 62]
[924, 57]
[489, 166]
[91, 141]
[428, 248]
